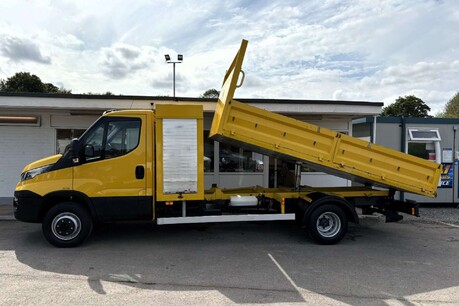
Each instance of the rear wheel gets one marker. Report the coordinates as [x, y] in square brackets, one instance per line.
[67, 225]
[327, 224]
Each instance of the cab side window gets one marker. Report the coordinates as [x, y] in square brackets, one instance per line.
[111, 137]
[94, 143]
[122, 137]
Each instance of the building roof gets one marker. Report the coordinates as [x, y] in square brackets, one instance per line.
[103, 102]
[398, 120]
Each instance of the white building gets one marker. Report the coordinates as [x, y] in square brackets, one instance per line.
[33, 126]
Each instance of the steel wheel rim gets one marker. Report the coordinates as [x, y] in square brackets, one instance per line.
[328, 224]
[66, 226]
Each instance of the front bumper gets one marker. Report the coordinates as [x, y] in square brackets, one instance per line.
[26, 206]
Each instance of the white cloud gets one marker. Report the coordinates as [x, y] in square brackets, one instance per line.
[122, 60]
[69, 41]
[357, 50]
[20, 49]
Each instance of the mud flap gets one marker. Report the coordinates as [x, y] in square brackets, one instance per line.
[408, 207]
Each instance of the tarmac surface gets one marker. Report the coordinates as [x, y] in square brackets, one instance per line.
[415, 262]
[6, 212]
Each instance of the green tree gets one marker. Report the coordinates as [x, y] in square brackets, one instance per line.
[26, 82]
[451, 109]
[408, 106]
[108, 93]
[210, 93]
[50, 88]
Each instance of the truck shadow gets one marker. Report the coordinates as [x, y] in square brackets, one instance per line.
[244, 261]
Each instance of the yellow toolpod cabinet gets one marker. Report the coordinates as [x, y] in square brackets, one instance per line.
[149, 165]
[179, 153]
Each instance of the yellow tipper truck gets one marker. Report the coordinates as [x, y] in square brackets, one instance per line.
[149, 165]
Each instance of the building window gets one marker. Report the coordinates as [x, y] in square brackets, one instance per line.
[422, 150]
[424, 143]
[65, 136]
[424, 134]
[235, 159]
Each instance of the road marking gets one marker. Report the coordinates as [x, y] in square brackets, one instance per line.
[449, 224]
[307, 295]
[320, 299]
[7, 218]
[286, 275]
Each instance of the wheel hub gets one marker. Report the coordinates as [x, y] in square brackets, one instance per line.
[328, 224]
[324, 222]
[66, 226]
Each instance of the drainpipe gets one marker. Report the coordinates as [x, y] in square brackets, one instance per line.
[403, 149]
[373, 137]
[454, 163]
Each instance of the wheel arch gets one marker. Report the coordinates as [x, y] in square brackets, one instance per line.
[319, 199]
[52, 199]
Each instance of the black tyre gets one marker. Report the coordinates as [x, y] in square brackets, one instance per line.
[327, 224]
[67, 225]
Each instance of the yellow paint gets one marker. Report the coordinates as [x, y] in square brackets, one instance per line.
[42, 162]
[227, 90]
[48, 182]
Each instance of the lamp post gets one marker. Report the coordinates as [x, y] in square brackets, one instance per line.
[169, 61]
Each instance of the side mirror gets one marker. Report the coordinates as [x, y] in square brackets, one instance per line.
[88, 151]
[73, 150]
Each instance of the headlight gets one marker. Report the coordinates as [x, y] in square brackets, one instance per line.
[28, 175]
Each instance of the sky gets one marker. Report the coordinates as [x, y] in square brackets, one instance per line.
[359, 50]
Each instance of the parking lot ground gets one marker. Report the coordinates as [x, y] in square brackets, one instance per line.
[408, 263]
[6, 212]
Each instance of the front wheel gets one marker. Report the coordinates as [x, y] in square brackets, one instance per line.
[67, 225]
[327, 224]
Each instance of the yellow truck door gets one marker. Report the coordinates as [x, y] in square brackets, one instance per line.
[112, 172]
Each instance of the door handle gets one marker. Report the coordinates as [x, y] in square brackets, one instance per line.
[139, 172]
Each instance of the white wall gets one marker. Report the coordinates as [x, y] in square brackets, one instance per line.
[20, 145]
[320, 179]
